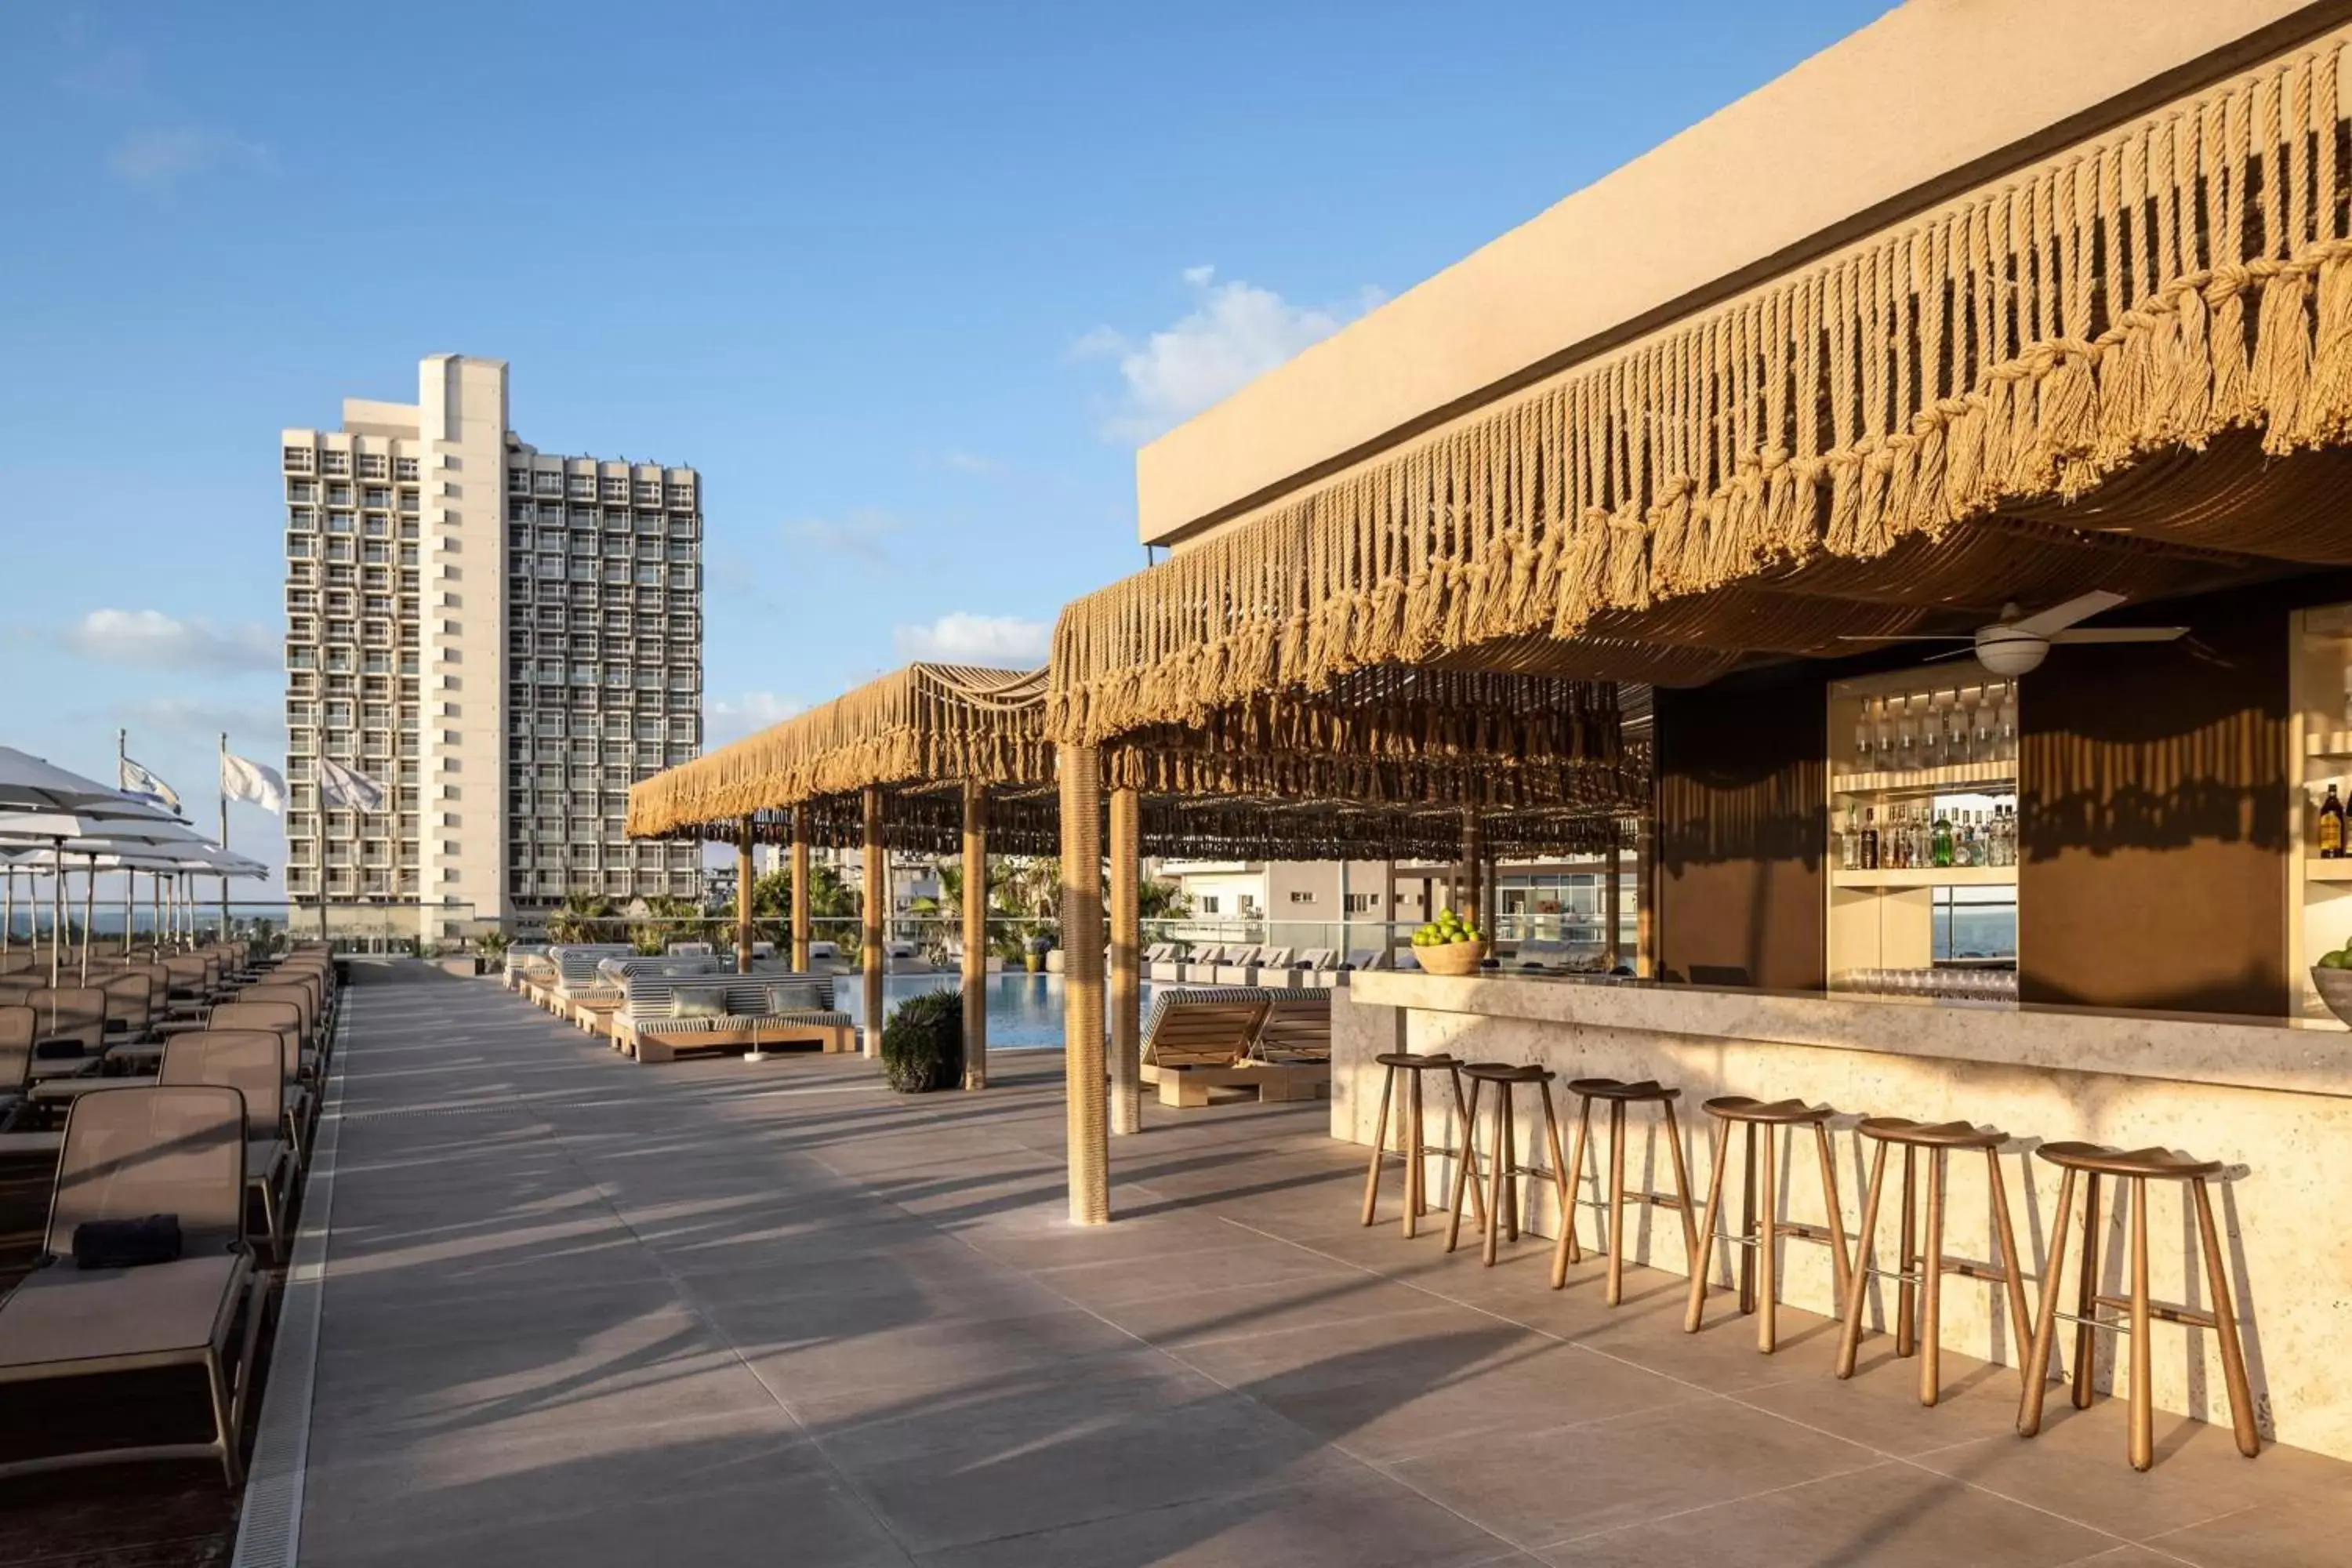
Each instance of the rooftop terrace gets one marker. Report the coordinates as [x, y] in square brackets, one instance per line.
[576, 1311]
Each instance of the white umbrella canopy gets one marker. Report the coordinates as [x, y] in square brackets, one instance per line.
[96, 828]
[27, 780]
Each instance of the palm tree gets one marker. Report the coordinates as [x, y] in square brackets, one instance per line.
[582, 918]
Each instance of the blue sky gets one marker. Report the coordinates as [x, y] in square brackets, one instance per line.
[908, 283]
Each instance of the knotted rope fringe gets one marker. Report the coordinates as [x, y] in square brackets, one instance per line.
[2151, 289]
[925, 722]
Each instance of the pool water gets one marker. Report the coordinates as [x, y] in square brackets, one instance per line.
[1024, 1011]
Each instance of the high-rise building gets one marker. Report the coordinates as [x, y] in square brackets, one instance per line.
[503, 638]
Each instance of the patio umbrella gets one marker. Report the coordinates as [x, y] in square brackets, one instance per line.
[99, 827]
[42, 803]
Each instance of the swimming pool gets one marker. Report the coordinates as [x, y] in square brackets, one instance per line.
[1024, 1011]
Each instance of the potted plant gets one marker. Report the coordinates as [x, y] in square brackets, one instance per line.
[923, 1045]
[1036, 948]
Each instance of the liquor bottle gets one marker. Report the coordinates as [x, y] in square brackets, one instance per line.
[2007, 743]
[1870, 838]
[1964, 841]
[1940, 849]
[1849, 841]
[2330, 834]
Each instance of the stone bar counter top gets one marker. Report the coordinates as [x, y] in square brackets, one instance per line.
[2269, 1097]
[2300, 1056]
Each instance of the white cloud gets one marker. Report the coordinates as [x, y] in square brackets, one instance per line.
[962, 637]
[1236, 333]
[725, 720]
[152, 637]
[972, 463]
[160, 158]
[861, 533]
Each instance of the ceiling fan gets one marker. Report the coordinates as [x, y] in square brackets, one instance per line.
[2017, 642]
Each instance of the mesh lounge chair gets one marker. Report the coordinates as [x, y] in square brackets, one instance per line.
[129, 1154]
[73, 1024]
[250, 1061]
[1165, 963]
[280, 1019]
[18, 1024]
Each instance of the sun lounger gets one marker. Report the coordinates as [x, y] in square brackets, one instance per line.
[129, 1154]
[591, 1006]
[1201, 1045]
[72, 1025]
[1541, 955]
[753, 1011]
[573, 964]
[521, 961]
[1296, 1029]
[1317, 966]
[1164, 963]
[252, 1062]
[1258, 966]
[281, 1020]
[1200, 966]
[18, 1026]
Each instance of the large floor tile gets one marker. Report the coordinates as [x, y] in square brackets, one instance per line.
[1334, 1521]
[1891, 1513]
[1540, 1487]
[789, 1523]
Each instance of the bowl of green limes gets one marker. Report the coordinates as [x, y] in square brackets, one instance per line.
[1451, 945]
[2332, 977]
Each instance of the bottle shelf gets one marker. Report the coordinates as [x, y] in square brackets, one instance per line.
[1952, 777]
[2315, 869]
[2328, 743]
[1955, 877]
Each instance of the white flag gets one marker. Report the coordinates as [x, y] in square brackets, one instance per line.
[242, 780]
[137, 781]
[346, 786]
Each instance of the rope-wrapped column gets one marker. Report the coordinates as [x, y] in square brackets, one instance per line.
[1474, 864]
[744, 898]
[876, 904]
[800, 895]
[1609, 911]
[1081, 984]
[1126, 963]
[1646, 899]
[975, 936]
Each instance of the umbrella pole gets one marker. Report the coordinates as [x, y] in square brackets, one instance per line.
[130, 911]
[89, 915]
[8, 908]
[57, 912]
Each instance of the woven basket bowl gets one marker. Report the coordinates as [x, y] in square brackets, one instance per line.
[2334, 987]
[1458, 958]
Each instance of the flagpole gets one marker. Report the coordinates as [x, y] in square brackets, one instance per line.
[222, 780]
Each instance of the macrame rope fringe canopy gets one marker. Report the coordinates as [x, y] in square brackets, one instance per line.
[2180, 283]
[1383, 765]
[925, 723]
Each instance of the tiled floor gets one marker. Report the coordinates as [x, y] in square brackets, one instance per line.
[583, 1312]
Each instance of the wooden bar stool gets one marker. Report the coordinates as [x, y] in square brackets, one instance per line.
[1917, 1269]
[1503, 1165]
[2139, 1166]
[1411, 1146]
[1762, 1178]
[1619, 1095]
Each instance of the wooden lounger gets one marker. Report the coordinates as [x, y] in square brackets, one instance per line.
[1197, 1049]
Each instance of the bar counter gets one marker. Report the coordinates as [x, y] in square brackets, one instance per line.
[2271, 1097]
